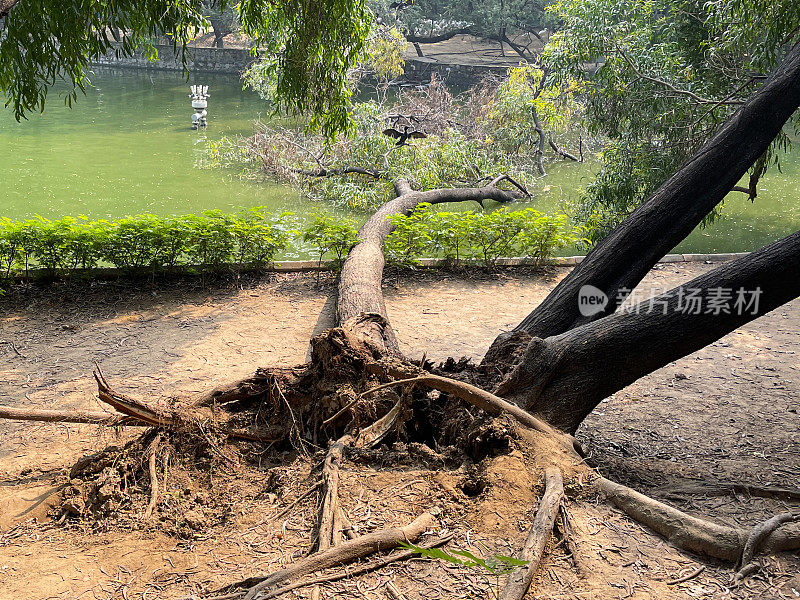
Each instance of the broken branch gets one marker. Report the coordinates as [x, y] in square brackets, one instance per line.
[520, 580]
[68, 416]
[385, 539]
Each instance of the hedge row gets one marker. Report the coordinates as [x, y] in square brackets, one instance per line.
[210, 241]
[479, 236]
[214, 240]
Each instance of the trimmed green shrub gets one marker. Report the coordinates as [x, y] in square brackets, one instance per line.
[213, 240]
[259, 236]
[332, 237]
[459, 236]
[210, 241]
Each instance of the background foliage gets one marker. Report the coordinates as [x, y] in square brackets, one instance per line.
[485, 132]
[658, 77]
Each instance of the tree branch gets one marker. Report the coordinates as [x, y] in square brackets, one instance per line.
[533, 550]
[324, 172]
[558, 150]
[672, 88]
[435, 39]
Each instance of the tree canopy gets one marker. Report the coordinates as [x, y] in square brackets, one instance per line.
[659, 78]
[428, 18]
[42, 41]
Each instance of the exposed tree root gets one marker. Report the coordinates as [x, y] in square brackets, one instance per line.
[69, 416]
[520, 580]
[294, 504]
[359, 570]
[688, 576]
[151, 462]
[490, 404]
[756, 539]
[393, 592]
[137, 410]
[347, 552]
[326, 536]
[377, 432]
[692, 533]
[564, 525]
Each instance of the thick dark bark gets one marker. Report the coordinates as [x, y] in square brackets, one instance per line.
[623, 258]
[564, 377]
[540, 147]
[360, 281]
[220, 31]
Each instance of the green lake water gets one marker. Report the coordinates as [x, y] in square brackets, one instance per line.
[127, 148]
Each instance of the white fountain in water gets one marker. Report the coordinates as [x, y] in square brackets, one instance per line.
[199, 97]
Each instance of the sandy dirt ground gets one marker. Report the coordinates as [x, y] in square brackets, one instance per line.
[475, 51]
[728, 413]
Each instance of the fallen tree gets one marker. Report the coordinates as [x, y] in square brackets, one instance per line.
[358, 388]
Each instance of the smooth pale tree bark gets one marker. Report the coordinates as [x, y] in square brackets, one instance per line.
[564, 377]
[360, 282]
[626, 255]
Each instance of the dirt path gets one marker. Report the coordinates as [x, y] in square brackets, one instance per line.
[726, 413]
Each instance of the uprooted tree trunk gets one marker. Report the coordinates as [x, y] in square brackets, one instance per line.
[362, 272]
[574, 363]
[564, 377]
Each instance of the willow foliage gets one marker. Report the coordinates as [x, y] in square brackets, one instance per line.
[42, 41]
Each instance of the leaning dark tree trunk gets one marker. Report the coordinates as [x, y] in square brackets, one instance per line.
[564, 377]
[620, 261]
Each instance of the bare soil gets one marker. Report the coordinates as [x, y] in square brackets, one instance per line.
[727, 413]
[474, 51]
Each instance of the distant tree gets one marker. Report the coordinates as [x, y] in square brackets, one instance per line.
[431, 21]
[223, 21]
